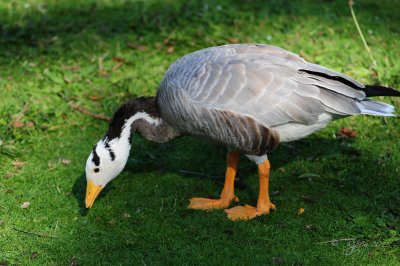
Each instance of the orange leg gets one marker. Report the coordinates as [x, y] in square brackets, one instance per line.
[264, 204]
[227, 194]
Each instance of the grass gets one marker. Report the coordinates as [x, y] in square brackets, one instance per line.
[98, 54]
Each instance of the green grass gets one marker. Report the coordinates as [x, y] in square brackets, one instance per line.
[56, 52]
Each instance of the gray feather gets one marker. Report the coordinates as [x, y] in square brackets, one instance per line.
[255, 84]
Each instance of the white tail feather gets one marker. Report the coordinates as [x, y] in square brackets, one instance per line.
[369, 107]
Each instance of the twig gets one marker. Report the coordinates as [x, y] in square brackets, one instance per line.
[33, 233]
[162, 205]
[336, 240]
[195, 173]
[360, 32]
[87, 112]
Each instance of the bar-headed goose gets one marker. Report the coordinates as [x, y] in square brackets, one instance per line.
[248, 97]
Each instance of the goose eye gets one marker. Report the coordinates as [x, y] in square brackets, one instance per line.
[96, 170]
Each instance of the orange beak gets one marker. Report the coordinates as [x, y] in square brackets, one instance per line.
[92, 191]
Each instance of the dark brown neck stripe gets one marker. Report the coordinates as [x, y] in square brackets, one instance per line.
[127, 110]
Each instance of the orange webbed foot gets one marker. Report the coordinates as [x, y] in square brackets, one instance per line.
[210, 204]
[248, 212]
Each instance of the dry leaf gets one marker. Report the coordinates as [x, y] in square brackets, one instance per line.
[117, 66]
[167, 41]
[73, 262]
[67, 80]
[103, 72]
[29, 124]
[34, 255]
[308, 226]
[118, 59]
[65, 161]
[2, 222]
[139, 47]
[159, 45]
[347, 133]
[300, 211]
[8, 175]
[309, 199]
[277, 260]
[73, 67]
[94, 98]
[170, 49]
[112, 222]
[125, 215]
[274, 193]
[233, 40]
[17, 123]
[25, 205]
[18, 164]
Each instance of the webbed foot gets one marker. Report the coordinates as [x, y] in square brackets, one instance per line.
[211, 204]
[248, 212]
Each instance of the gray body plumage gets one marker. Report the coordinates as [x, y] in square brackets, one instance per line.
[251, 97]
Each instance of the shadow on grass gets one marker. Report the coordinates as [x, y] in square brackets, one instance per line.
[208, 162]
[62, 28]
[149, 159]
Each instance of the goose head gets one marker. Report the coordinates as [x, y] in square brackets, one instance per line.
[105, 162]
[109, 156]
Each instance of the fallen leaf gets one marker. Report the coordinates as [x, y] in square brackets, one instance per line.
[125, 215]
[112, 222]
[8, 175]
[74, 262]
[159, 45]
[118, 59]
[233, 40]
[277, 260]
[73, 67]
[103, 72]
[94, 98]
[67, 80]
[18, 164]
[347, 133]
[274, 193]
[307, 175]
[309, 199]
[170, 49]
[51, 165]
[34, 255]
[300, 211]
[17, 123]
[309, 226]
[2, 222]
[25, 205]
[117, 66]
[65, 161]
[29, 124]
[167, 41]
[139, 47]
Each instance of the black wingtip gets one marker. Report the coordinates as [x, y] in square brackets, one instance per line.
[376, 90]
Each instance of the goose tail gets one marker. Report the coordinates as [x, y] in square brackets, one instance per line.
[371, 107]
